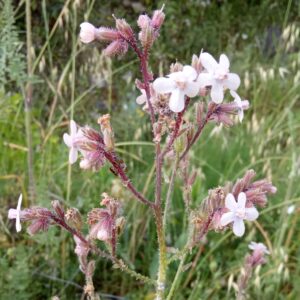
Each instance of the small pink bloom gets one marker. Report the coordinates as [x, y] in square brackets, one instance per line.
[178, 84]
[71, 141]
[238, 212]
[241, 105]
[87, 32]
[259, 247]
[15, 214]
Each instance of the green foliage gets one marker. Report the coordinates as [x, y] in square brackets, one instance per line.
[12, 63]
[267, 141]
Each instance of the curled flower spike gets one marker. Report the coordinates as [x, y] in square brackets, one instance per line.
[217, 76]
[71, 141]
[15, 214]
[242, 105]
[238, 212]
[178, 84]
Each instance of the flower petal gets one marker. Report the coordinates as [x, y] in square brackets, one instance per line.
[224, 61]
[73, 128]
[241, 203]
[12, 213]
[18, 218]
[227, 218]
[164, 85]
[232, 82]
[238, 227]
[176, 102]
[205, 79]
[67, 139]
[235, 95]
[192, 89]
[208, 62]
[217, 93]
[241, 114]
[141, 99]
[251, 213]
[230, 202]
[73, 155]
[189, 72]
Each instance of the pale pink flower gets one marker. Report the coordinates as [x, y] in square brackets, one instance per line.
[241, 105]
[217, 76]
[238, 212]
[142, 99]
[259, 247]
[87, 32]
[71, 141]
[178, 84]
[15, 214]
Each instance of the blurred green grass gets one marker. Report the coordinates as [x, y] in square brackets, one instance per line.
[267, 141]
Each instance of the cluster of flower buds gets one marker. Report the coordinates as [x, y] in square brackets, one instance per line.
[105, 223]
[150, 27]
[231, 205]
[115, 37]
[90, 144]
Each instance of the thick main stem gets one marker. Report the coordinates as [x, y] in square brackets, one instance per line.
[162, 269]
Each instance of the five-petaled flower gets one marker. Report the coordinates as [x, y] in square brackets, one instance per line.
[178, 84]
[241, 105]
[238, 212]
[15, 214]
[217, 76]
[71, 140]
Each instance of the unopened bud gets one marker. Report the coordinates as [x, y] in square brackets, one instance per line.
[196, 64]
[108, 134]
[73, 218]
[120, 225]
[158, 18]
[147, 36]
[58, 209]
[143, 21]
[124, 29]
[116, 47]
[199, 112]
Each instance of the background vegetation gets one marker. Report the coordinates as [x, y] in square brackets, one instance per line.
[262, 40]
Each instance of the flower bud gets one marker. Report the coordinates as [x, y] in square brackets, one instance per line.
[158, 18]
[125, 29]
[58, 209]
[116, 47]
[73, 218]
[87, 32]
[143, 21]
[108, 134]
[147, 36]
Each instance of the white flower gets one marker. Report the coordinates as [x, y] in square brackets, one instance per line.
[259, 247]
[87, 32]
[71, 139]
[241, 106]
[15, 214]
[217, 76]
[178, 84]
[238, 212]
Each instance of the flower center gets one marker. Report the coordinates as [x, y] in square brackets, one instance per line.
[221, 74]
[181, 84]
[240, 212]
